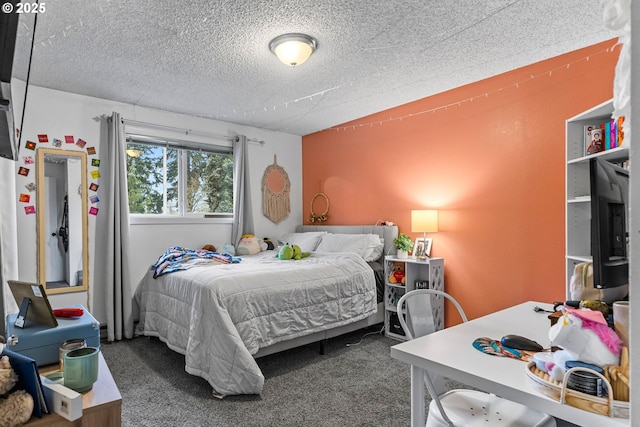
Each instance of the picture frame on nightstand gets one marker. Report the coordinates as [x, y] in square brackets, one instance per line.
[422, 247]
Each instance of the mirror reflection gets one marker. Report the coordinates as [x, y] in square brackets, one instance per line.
[62, 220]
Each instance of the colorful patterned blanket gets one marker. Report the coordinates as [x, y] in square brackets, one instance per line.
[178, 258]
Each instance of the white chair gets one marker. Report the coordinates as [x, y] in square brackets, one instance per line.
[460, 408]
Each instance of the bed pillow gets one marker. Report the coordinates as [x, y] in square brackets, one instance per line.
[374, 251]
[308, 241]
[367, 246]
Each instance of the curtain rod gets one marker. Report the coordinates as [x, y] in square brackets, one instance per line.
[188, 131]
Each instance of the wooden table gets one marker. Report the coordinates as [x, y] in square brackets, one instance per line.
[101, 406]
[449, 352]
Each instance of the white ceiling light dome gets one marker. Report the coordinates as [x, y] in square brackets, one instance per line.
[294, 48]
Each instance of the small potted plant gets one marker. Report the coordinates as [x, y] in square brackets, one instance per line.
[404, 244]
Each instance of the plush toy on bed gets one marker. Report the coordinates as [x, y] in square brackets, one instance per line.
[15, 406]
[209, 248]
[248, 245]
[397, 275]
[269, 243]
[287, 252]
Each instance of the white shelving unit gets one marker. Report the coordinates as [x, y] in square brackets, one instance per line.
[578, 203]
[430, 271]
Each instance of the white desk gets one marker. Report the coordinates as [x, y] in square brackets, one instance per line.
[450, 353]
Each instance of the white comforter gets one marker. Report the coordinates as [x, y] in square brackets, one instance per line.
[219, 315]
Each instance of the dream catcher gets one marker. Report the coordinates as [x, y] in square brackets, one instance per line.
[275, 192]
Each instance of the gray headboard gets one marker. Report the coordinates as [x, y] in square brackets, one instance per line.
[388, 232]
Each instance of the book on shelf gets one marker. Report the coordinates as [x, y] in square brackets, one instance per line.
[610, 134]
[613, 138]
[619, 131]
[593, 139]
[606, 134]
[603, 136]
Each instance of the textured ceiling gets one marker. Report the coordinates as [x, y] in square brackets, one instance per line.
[211, 58]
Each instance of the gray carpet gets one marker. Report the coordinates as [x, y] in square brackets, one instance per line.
[355, 385]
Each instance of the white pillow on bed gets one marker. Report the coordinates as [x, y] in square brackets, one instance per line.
[374, 251]
[308, 241]
[368, 246]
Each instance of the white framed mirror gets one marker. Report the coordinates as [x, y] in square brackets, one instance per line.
[62, 214]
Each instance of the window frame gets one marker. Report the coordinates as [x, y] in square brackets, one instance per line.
[182, 146]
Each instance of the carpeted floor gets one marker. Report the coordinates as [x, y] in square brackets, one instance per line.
[351, 385]
[356, 385]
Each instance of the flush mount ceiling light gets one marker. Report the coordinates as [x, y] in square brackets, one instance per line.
[293, 48]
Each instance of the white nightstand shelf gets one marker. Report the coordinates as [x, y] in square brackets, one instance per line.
[428, 273]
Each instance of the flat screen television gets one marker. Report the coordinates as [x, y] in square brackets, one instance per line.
[16, 46]
[609, 185]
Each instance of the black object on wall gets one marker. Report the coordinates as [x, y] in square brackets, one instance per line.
[17, 35]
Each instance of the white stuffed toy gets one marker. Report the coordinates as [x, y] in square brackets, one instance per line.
[585, 336]
[16, 406]
[248, 245]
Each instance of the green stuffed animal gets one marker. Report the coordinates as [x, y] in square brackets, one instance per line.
[294, 252]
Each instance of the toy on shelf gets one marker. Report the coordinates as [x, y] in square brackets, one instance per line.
[397, 275]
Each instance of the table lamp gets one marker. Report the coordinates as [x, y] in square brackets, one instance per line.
[423, 221]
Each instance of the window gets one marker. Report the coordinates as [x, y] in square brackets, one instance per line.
[179, 178]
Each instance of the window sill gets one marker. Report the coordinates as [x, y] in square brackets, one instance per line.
[170, 219]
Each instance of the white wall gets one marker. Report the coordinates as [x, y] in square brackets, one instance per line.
[634, 228]
[58, 114]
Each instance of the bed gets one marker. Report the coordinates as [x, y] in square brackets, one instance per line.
[222, 316]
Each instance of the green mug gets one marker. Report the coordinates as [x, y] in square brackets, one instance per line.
[81, 369]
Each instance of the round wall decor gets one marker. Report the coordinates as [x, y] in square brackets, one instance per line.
[275, 192]
[324, 216]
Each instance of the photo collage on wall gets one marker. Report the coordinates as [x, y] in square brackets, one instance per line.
[69, 143]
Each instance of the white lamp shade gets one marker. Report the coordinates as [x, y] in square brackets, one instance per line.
[293, 49]
[424, 221]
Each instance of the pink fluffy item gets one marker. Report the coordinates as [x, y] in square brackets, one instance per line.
[594, 321]
[586, 335]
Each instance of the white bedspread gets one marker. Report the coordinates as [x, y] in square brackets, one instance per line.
[219, 315]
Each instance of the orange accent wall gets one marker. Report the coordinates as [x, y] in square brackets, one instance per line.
[489, 156]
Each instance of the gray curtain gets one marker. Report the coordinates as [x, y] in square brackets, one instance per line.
[8, 239]
[118, 295]
[242, 217]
